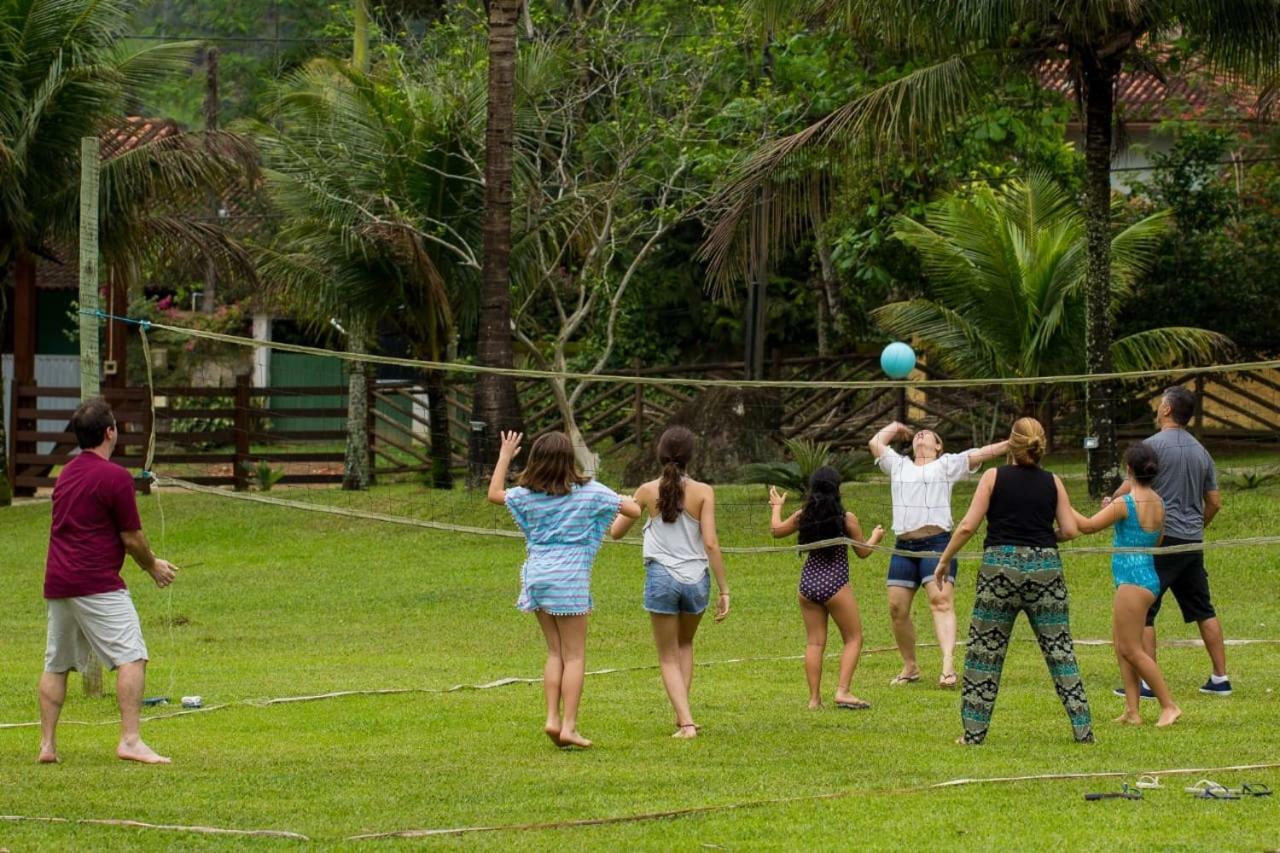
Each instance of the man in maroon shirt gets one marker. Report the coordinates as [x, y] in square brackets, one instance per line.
[95, 523]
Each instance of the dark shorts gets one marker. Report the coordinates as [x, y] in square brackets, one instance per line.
[668, 596]
[911, 572]
[1184, 576]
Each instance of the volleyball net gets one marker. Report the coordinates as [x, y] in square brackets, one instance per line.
[268, 422]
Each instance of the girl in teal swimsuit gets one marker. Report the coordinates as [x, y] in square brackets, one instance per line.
[1139, 523]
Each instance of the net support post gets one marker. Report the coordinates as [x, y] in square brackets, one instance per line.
[477, 443]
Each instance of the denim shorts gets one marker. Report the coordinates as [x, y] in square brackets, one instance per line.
[911, 572]
[666, 595]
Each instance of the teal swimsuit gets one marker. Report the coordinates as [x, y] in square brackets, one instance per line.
[1135, 569]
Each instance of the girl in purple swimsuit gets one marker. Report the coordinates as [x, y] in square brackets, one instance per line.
[824, 580]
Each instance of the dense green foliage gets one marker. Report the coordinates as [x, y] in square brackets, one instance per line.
[1006, 268]
[1220, 262]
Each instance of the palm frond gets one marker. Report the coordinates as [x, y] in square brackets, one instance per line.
[1171, 346]
[767, 206]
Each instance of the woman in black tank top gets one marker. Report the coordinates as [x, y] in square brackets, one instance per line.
[1021, 572]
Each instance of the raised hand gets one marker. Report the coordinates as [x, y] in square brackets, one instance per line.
[510, 445]
[776, 498]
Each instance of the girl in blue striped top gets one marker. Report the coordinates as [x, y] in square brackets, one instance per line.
[564, 517]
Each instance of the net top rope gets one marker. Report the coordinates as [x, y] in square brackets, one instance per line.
[691, 382]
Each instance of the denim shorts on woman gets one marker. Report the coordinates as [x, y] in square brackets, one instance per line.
[666, 595]
[911, 572]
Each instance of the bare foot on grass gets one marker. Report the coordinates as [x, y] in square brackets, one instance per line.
[815, 704]
[48, 754]
[571, 739]
[1129, 719]
[1168, 717]
[846, 699]
[686, 732]
[140, 752]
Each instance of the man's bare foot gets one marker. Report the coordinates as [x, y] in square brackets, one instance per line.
[1169, 716]
[1129, 719]
[552, 730]
[140, 752]
[815, 704]
[686, 732]
[48, 755]
[570, 738]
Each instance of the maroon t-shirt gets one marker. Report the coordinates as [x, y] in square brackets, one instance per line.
[93, 503]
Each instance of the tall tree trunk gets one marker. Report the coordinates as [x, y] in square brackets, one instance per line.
[441, 444]
[1099, 102]
[209, 298]
[360, 35]
[357, 473]
[830, 282]
[495, 398]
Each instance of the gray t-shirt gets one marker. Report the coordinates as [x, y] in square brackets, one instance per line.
[1186, 474]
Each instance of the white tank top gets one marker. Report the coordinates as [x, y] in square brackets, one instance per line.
[677, 546]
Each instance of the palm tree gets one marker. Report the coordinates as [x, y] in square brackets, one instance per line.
[1007, 270]
[376, 177]
[1097, 38]
[65, 73]
[495, 398]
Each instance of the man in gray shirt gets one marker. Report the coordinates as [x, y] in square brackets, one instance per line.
[1188, 483]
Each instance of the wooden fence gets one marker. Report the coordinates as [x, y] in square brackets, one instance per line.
[214, 434]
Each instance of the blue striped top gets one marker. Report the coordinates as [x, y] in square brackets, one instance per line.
[563, 530]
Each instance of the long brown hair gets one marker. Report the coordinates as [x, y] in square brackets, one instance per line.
[675, 449]
[1027, 442]
[551, 467]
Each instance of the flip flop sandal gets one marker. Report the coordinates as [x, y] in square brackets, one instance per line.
[1217, 794]
[1202, 785]
[854, 706]
[899, 680]
[1125, 793]
[947, 681]
[1147, 782]
[1253, 789]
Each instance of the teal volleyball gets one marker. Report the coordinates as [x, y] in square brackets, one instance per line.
[897, 360]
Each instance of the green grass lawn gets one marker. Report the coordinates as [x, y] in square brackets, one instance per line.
[285, 603]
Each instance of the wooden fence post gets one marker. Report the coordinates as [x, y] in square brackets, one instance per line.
[239, 471]
[639, 408]
[371, 422]
[1199, 421]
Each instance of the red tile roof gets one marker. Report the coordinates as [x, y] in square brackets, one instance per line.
[1143, 97]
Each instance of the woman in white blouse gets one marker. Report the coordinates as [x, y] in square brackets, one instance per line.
[922, 523]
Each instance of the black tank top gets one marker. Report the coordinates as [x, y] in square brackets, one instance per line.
[1024, 504]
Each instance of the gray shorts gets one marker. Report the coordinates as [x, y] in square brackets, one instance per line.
[106, 624]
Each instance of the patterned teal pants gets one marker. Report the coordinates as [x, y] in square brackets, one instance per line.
[1012, 580]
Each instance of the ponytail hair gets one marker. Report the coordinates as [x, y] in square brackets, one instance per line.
[1027, 442]
[822, 516]
[675, 449]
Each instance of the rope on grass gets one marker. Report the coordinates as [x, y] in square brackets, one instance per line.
[516, 679]
[691, 382]
[137, 824]
[776, 801]
[409, 521]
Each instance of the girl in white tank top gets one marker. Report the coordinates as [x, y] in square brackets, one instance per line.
[680, 544]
